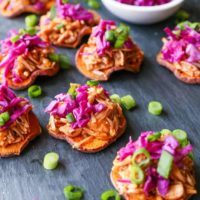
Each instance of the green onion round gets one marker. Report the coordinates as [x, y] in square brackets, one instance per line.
[72, 192]
[31, 21]
[137, 175]
[128, 102]
[94, 4]
[4, 117]
[51, 161]
[154, 137]
[143, 162]
[180, 135]
[110, 194]
[92, 83]
[155, 108]
[34, 91]
[116, 98]
[70, 118]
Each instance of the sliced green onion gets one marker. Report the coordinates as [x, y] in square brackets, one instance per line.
[4, 117]
[31, 21]
[64, 62]
[166, 131]
[72, 91]
[15, 38]
[137, 175]
[110, 35]
[155, 108]
[116, 98]
[180, 135]
[110, 194]
[154, 137]
[119, 43]
[70, 118]
[53, 12]
[59, 26]
[65, 1]
[54, 57]
[128, 102]
[92, 83]
[72, 192]
[141, 157]
[94, 4]
[34, 91]
[51, 161]
[165, 164]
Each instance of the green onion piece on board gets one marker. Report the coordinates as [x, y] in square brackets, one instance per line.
[64, 62]
[92, 83]
[166, 131]
[72, 192]
[51, 161]
[137, 175]
[15, 38]
[116, 98]
[94, 4]
[109, 195]
[54, 57]
[72, 91]
[31, 21]
[180, 135]
[141, 157]
[4, 117]
[165, 164]
[155, 108]
[128, 102]
[70, 118]
[53, 12]
[110, 35]
[34, 91]
[154, 137]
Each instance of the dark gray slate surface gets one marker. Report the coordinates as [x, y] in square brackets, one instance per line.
[23, 178]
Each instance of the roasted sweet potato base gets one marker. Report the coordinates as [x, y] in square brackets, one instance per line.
[107, 73]
[16, 149]
[181, 75]
[25, 9]
[94, 144]
[86, 30]
[139, 194]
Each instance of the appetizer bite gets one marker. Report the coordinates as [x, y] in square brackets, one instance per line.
[181, 52]
[109, 49]
[86, 117]
[24, 57]
[18, 123]
[156, 166]
[67, 24]
[12, 8]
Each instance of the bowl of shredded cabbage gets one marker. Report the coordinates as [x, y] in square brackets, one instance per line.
[143, 11]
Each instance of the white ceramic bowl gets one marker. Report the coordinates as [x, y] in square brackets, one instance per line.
[142, 14]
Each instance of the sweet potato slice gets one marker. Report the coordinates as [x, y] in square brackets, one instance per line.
[133, 59]
[25, 7]
[90, 144]
[31, 79]
[17, 148]
[184, 71]
[49, 32]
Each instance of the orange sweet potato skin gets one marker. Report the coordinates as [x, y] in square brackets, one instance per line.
[16, 149]
[25, 9]
[95, 145]
[179, 74]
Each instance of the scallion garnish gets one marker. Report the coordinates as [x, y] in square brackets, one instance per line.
[137, 175]
[4, 117]
[143, 155]
[155, 108]
[70, 117]
[15, 38]
[116, 98]
[53, 12]
[34, 91]
[72, 192]
[92, 83]
[110, 194]
[60, 26]
[154, 137]
[180, 135]
[128, 102]
[54, 57]
[51, 161]
[31, 21]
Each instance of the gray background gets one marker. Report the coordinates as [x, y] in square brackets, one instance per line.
[24, 178]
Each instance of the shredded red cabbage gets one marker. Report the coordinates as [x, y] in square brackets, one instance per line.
[74, 11]
[11, 50]
[182, 45]
[16, 106]
[155, 148]
[144, 2]
[79, 106]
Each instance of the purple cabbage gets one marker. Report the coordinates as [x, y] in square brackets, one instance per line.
[144, 2]
[79, 106]
[9, 102]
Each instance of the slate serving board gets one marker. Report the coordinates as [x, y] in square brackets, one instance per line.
[24, 178]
